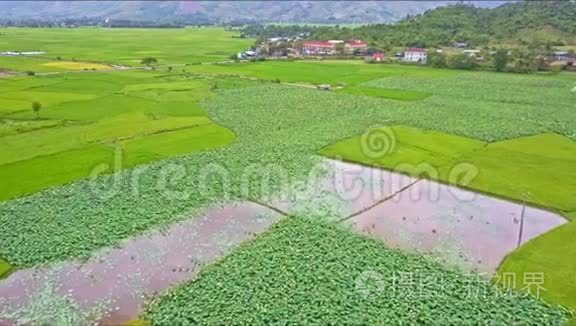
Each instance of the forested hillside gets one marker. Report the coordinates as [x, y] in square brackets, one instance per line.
[523, 23]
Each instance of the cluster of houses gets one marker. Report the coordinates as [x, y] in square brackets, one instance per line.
[280, 47]
[358, 47]
[285, 46]
[333, 47]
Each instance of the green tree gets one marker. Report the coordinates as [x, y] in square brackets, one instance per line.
[525, 60]
[437, 60]
[36, 107]
[340, 48]
[500, 59]
[462, 61]
[148, 61]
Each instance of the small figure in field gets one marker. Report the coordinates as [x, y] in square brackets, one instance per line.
[36, 107]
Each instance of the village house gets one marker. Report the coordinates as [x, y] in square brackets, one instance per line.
[318, 47]
[471, 53]
[246, 55]
[354, 46]
[415, 55]
[562, 56]
[331, 47]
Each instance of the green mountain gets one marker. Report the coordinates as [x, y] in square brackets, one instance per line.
[225, 11]
[529, 22]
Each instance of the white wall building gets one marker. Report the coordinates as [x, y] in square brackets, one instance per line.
[416, 55]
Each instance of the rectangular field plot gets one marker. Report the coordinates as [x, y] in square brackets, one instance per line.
[543, 181]
[176, 142]
[38, 173]
[83, 118]
[551, 254]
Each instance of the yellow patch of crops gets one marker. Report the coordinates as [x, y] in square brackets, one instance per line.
[74, 65]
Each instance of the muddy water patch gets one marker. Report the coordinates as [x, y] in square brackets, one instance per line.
[460, 228]
[112, 287]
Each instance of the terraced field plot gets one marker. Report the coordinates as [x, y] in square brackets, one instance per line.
[89, 120]
[274, 125]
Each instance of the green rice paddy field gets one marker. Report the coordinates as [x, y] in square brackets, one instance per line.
[519, 131]
[121, 46]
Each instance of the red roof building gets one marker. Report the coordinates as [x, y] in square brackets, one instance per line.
[378, 56]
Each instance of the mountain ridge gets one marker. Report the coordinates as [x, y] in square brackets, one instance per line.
[226, 11]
